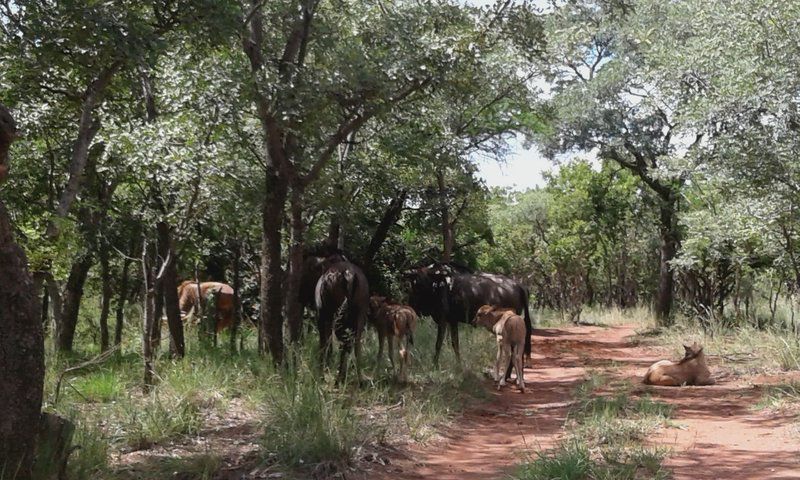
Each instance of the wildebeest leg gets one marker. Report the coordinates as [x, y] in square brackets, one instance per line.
[325, 328]
[498, 364]
[516, 354]
[357, 349]
[505, 354]
[454, 340]
[390, 339]
[346, 343]
[440, 330]
[380, 346]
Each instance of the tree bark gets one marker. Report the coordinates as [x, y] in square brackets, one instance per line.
[390, 217]
[108, 292]
[169, 283]
[122, 295]
[21, 342]
[73, 294]
[237, 301]
[669, 247]
[270, 331]
[294, 309]
[444, 212]
[148, 319]
[88, 127]
[54, 293]
[158, 313]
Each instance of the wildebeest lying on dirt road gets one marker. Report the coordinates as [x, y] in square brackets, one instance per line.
[451, 294]
[393, 322]
[224, 301]
[341, 298]
[691, 370]
[509, 330]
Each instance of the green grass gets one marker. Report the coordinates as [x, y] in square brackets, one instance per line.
[777, 397]
[308, 421]
[91, 457]
[605, 440]
[99, 387]
[305, 417]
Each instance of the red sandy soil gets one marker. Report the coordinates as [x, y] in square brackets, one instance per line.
[718, 434]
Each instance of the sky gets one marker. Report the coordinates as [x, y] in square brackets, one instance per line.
[524, 166]
[522, 170]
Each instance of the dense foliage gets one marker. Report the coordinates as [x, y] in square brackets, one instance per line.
[188, 128]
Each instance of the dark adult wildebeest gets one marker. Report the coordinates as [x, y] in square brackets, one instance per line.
[341, 298]
[450, 294]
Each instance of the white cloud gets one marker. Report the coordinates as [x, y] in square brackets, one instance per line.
[522, 169]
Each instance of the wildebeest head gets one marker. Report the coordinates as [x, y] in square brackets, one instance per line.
[428, 286]
[316, 261]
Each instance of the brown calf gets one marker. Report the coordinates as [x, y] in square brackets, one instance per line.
[224, 307]
[691, 370]
[393, 322]
[510, 332]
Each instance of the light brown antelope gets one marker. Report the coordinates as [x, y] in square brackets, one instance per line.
[690, 370]
[394, 322]
[510, 332]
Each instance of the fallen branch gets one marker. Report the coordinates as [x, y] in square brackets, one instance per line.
[94, 361]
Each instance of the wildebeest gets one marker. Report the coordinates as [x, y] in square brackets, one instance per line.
[224, 301]
[341, 298]
[451, 294]
[509, 331]
[691, 370]
[394, 322]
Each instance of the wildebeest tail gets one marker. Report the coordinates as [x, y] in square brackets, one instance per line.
[528, 325]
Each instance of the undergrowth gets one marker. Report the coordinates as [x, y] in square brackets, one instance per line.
[305, 417]
[606, 439]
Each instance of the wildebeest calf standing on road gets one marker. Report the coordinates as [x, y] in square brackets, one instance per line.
[509, 330]
[452, 294]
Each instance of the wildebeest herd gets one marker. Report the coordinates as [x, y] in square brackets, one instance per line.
[338, 290]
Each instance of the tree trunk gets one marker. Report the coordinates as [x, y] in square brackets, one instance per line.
[158, 314]
[237, 301]
[122, 295]
[56, 305]
[148, 319]
[390, 217]
[108, 292]
[88, 126]
[73, 294]
[21, 342]
[169, 283]
[444, 212]
[270, 331]
[294, 309]
[45, 303]
[669, 247]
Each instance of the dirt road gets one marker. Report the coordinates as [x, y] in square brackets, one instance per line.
[718, 434]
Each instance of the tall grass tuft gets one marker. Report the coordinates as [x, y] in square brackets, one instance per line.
[605, 439]
[308, 421]
[90, 459]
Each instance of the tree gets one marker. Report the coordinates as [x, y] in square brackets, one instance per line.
[22, 342]
[337, 70]
[607, 99]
